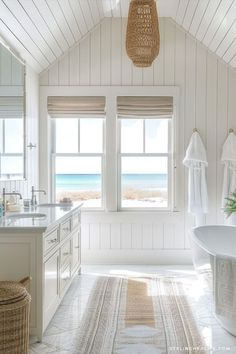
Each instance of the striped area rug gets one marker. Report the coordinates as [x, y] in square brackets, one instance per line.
[138, 316]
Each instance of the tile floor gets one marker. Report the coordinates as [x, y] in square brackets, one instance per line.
[63, 328]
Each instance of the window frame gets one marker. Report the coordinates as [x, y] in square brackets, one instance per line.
[110, 178]
[54, 154]
[170, 166]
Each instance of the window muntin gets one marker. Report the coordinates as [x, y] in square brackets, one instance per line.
[78, 171]
[145, 180]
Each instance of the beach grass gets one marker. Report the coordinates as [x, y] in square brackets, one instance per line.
[127, 194]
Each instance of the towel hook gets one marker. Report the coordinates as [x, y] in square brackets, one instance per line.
[231, 130]
[195, 130]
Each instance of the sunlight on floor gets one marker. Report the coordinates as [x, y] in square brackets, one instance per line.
[67, 319]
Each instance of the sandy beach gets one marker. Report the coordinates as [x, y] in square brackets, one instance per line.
[129, 197]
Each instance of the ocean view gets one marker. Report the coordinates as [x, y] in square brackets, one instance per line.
[85, 182]
[137, 189]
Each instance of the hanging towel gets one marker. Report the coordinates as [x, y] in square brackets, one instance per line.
[196, 162]
[224, 289]
[229, 160]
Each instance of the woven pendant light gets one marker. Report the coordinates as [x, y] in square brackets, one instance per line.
[142, 36]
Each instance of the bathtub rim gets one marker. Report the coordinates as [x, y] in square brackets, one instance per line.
[201, 244]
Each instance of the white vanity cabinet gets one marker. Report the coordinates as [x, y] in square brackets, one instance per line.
[51, 286]
[50, 254]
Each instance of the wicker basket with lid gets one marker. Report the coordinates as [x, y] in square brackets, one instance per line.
[14, 317]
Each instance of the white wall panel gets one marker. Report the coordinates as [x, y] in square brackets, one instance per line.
[85, 238]
[95, 50]
[207, 102]
[158, 235]
[137, 233]
[94, 236]
[105, 236]
[126, 240]
[147, 238]
[84, 61]
[74, 63]
[115, 236]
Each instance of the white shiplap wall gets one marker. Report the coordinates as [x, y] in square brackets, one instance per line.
[11, 73]
[207, 101]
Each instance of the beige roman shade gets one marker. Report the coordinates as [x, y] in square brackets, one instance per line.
[76, 106]
[11, 107]
[145, 106]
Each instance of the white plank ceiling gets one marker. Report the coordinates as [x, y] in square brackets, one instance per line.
[42, 30]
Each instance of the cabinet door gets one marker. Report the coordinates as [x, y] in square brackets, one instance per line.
[75, 250]
[51, 286]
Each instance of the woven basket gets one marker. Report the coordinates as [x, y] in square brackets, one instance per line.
[14, 317]
[142, 36]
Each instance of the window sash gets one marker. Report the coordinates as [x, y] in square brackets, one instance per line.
[54, 154]
[170, 171]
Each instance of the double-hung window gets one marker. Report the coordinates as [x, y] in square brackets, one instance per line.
[78, 149]
[145, 152]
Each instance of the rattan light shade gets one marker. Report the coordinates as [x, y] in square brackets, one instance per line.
[142, 36]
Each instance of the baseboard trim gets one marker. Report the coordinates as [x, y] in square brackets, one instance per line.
[143, 257]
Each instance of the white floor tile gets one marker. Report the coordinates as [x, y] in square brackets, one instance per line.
[62, 331]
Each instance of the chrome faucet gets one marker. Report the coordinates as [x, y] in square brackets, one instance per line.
[4, 193]
[33, 196]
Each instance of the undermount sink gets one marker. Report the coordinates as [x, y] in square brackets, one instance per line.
[26, 216]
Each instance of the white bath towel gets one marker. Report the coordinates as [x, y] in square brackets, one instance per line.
[196, 162]
[229, 159]
[225, 286]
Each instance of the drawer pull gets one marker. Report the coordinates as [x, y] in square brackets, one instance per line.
[52, 241]
[76, 247]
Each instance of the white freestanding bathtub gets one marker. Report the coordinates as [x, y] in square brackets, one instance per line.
[207, 242]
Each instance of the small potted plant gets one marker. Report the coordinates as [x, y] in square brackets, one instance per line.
[230, 209]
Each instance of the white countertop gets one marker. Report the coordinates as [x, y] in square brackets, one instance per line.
[54, 214]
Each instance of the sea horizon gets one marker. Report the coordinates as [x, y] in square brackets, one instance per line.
[92, 182]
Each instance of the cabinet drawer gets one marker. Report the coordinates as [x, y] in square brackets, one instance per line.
[51, 240]
[65, 252]
[65, 228]
[76, 219]
[65, 277]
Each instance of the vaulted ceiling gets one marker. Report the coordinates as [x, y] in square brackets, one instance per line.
[42, 30]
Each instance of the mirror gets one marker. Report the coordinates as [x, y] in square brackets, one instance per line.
[12, 116]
